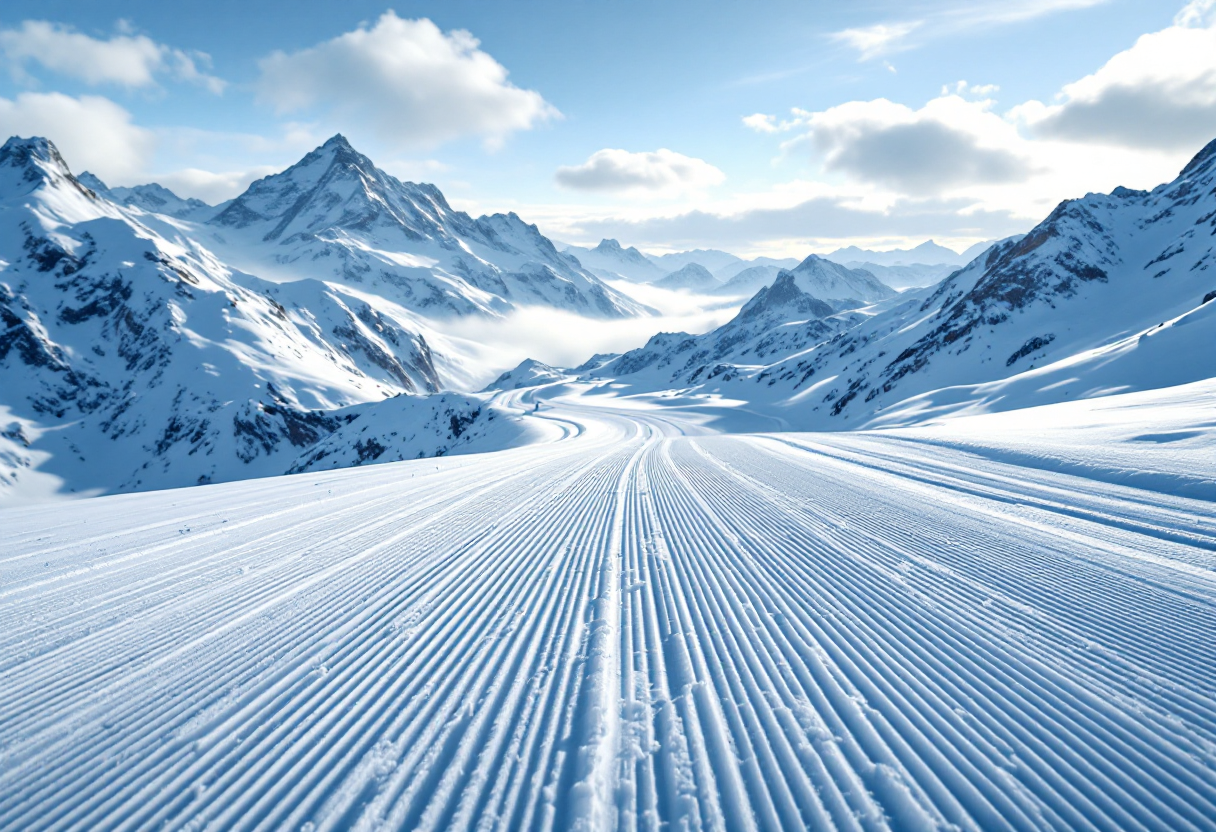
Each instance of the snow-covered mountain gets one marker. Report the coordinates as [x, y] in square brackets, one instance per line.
[692, 277]
[799, 310]
[1104, 295]
[910, 276]
[1110, 293]
[528, 373]
[412, 427]
[153, 198]
[612, 261]
[335, 216]
[131, 359]
[779, 320]
[842, 287]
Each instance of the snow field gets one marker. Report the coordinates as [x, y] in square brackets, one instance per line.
[631, 629]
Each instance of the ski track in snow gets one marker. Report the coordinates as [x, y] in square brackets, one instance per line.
[641, 627]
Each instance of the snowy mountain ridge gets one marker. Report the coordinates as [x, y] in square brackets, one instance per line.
[335, 216]
[613, 261]
[692, 276]
[928, 253]
[845, 288]
[132, 357]
[780, 319]
[152, 198]
[1110, 293]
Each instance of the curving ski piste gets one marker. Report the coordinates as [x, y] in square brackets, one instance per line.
[642, 626]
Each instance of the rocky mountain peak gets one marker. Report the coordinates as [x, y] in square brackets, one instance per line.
[341, 153]
[786, 298]
[26, 164]
[613, 247]
[90, 180]
[336, 187]
[337, 140]
[1202, 161]
[831, 281]
[694, 269]
[21, 153]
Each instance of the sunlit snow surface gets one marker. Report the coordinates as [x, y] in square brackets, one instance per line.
[642, 626]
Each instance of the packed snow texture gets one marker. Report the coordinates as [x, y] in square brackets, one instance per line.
[642, 627]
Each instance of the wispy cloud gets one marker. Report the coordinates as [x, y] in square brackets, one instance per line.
[127, 59]
[1196, 13]
[412, 83]
[659, 172]
[1158, 94]
[884, 38]
[879, 39]
[763, 123]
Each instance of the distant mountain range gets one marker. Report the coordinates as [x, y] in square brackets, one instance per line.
[917, 267]
[1110, 293]
[153, 198]
[923, 265]
[692, 276]
[927, 253]
[612, 261]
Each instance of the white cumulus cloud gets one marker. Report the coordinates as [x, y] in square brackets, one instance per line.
[962, 88]
[661, 172]
[211, 187]
[125, 59]
[413, 83]
[92, 133]
[762, 123]
[948, 142]
[1160, 93]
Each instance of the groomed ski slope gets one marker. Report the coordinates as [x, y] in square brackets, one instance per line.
[640, 627]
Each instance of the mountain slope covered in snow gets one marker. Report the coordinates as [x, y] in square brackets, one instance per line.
[1107, 294]
[692, 277]
[152, 198]
[643, 627]
[133, 358]
[779, 320]
[335, 216]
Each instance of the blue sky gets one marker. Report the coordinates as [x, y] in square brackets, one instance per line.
[775, 128]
